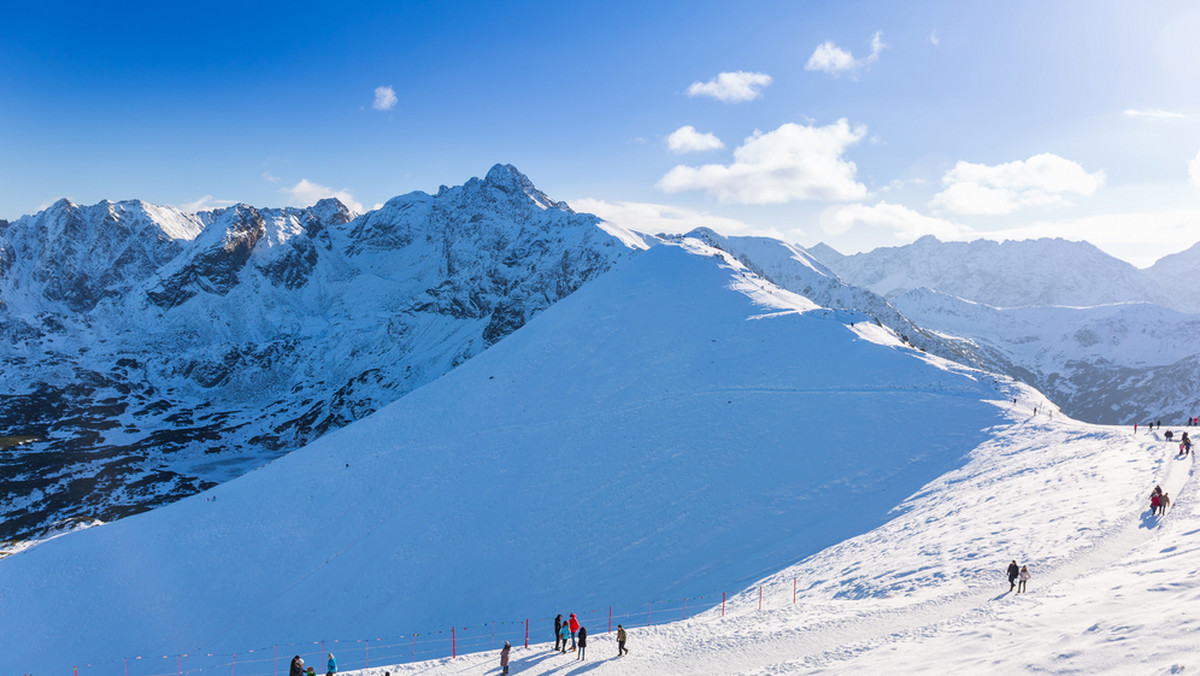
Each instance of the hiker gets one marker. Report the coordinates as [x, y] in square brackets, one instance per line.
[331, 666]
[564, 632]
[557, 631]
[1168, 435]
[574, 625]
[1163, 503]
[1155, 502]
[582, 640]
[297, 667]
[1023, 577]
[621, 649]
[1013, 571]
[504, 658]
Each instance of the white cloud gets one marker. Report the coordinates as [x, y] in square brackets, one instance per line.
[1194, 171]
[665, 218]
[934, 38]
[306, 193]
[905, 223]
[836, 61]
[687, 140]
[206, 203]
[385, 98]
[1043, 179]
[794, 162]
[732, 87]
[270, 178]
[1152, 114]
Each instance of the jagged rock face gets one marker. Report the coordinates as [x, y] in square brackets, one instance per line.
[172, 351]
[69, 258]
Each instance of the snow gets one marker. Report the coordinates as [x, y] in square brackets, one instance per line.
[658, 433]
[1111, 591]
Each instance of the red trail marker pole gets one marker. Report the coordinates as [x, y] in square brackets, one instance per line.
[722, 604]
[760, 597]
[610, 619]
[453, 644]
[414, 650]
[527, 632]
[368, 642]
[233, 667]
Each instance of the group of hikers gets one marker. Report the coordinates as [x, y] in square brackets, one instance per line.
[1159, 501]
[299, 670]
[1017, 577]
[569, 630]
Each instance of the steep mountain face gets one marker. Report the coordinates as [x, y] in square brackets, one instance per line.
[170, 352]
[1179, 275]
[676, 427]
[1001, 274]
[1112, 364]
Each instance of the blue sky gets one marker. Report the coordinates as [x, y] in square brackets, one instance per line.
[858, 124]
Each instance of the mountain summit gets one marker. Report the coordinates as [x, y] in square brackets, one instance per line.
[154, 353]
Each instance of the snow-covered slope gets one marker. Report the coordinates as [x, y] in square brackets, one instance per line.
[155, 353]
[1126, 363]
[1001, 274]
[1112, 589]
[677, 424]
[1179, 275]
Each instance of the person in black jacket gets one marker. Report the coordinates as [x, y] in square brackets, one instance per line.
[582, 640]
[1013, 571]
[297, 667]
[557, 631]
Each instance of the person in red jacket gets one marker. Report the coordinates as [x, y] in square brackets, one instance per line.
[574, 624]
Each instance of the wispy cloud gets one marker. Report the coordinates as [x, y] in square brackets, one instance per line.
[206, 203]
[794, 162]
[1044, 179]
[269, 177]
[1152, 114]
[666, 218]
[836, 61]
[385, 98]
[732, 87]
[306, 193]
[933, 37]
[687, 140]
[905, 223]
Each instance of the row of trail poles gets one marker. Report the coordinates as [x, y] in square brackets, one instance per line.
[454, 637]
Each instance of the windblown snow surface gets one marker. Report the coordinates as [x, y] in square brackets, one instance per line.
[676, 428]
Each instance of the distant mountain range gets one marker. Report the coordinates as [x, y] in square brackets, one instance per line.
[1108, 342]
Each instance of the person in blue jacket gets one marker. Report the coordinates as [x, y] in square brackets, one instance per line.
[565, 633]
[332, 666]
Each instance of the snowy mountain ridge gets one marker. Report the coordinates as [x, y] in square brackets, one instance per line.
[154, 352]
[1093, 333]
[1012, 273]
[677, 423]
